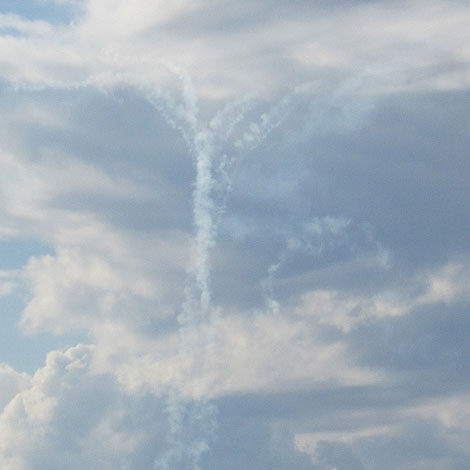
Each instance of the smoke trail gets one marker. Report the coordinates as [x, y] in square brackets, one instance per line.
[318, 237]
[186, 448]
[211, 187]
[311, 239]
[259, 131]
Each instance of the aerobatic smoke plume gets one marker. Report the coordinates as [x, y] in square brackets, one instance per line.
[192, 424]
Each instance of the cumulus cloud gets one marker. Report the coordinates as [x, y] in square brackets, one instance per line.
[12, 382]
[66, 415]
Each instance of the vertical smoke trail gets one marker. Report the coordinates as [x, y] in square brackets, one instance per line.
[192, 421]
[186, 448]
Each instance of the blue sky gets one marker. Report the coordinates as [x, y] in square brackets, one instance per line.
[234, 235]
[52, 12]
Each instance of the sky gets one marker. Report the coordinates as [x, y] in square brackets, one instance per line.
[234, 235]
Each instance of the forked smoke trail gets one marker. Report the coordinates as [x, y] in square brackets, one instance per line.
[192, 421]
[186, 447]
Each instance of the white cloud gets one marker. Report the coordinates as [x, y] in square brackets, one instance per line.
[11, 22]
[30, 189]
[443, 417]
[26, 420]
[65, 415]
[11, 383]
[7, 288]
[386, 47]
[264, 353]
[79, 287]
[96, 272]
[96, 266]
[347, 310]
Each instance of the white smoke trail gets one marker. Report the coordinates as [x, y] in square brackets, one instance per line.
[209, 195]
[318, 237]
[259, 131]
[186, 447]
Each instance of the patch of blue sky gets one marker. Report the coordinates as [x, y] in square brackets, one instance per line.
[49, 11]
[15, 253]
[9, 31]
